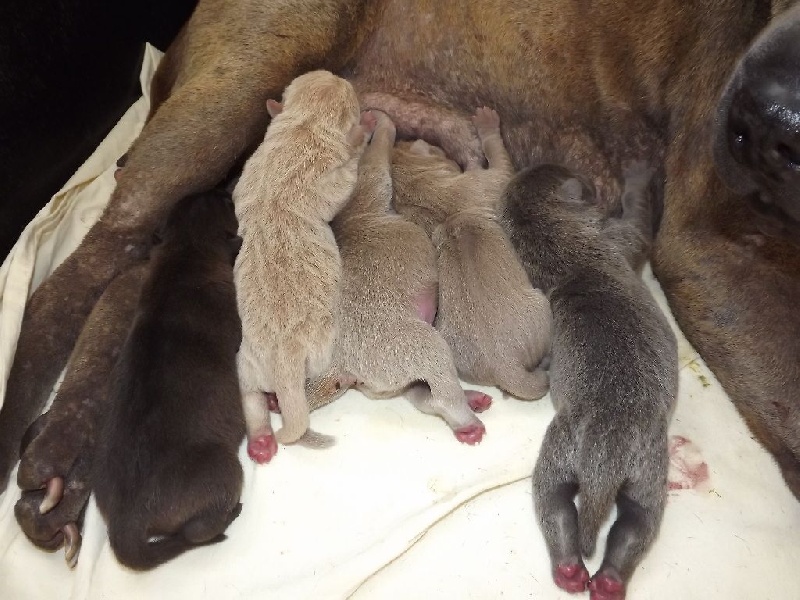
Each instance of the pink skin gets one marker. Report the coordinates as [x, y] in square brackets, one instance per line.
[471, 434]
[272, 402]
[425, 305]
[571, 578]
[478, 401]
[262, 448]
[606, 587]
[687, 469]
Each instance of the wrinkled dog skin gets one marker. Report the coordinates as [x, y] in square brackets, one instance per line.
[561, 77]
[614, 373]
[496, 324]
[58, 449]
[386, 344]
[167, 474]
[288, 270]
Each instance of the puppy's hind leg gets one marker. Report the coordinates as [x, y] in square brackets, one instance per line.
[640, 506]
[554, 489]
[261, 443]
[438, 390]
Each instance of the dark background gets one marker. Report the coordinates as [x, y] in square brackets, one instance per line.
[68, 71]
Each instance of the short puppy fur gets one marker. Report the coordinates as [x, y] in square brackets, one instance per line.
[386, 344]
[614, 373]
[288, 270]
[496, 324]
[167, 472]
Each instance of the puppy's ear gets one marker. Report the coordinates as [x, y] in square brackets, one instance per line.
[274, 108]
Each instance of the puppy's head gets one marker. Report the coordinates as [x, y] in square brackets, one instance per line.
[559, 188]
[420, 156]
[324, 96]
[204, 220]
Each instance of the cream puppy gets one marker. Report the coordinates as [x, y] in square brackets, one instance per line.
[288, 270]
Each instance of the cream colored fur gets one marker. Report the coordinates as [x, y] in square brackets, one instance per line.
[287, 272]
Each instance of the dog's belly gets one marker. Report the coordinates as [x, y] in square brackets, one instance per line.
[534, 71]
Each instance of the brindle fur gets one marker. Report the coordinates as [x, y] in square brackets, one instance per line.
[58, 449]
[585, 84]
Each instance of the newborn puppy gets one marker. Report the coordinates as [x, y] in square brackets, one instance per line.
[614, 373]
[287, 272]
[496, 324]
[58, 449]
[167, 475]
[385, 343]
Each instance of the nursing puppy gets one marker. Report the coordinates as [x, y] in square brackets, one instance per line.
[58, 449]
[287, 273]
[496, 324]
[614, 374]
[167, 475]
[560, 74]
[385, 343]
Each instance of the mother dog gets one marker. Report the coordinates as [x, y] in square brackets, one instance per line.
[589, 84]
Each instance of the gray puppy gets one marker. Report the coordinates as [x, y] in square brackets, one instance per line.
[614, 372]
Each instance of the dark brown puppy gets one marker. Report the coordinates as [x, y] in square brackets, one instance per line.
[58, 449]
[168, 476]
[589, 86]
[613, 373]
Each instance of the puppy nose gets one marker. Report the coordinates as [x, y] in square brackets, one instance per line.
[764, 129]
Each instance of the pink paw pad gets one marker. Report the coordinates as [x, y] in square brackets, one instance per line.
[478, 401]
[606, 587]
[262, 448]
[272, 402]
[471, 434]
[571, 578]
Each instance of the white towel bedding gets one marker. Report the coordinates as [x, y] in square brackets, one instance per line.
[398, 508]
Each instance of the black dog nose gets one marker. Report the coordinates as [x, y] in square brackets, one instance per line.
[764, 129]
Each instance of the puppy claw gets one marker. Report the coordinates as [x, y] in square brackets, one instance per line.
[571, 578]
[478, 401]
[55, 491]
[471, 434]
[262, 448]
[72, 544]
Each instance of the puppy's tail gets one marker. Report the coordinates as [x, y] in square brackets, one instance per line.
[289, 383]
[598, 487]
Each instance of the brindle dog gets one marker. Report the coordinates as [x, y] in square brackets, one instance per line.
[590, 85]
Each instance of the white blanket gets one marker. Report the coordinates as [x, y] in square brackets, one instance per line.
[398, 508]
